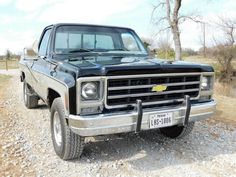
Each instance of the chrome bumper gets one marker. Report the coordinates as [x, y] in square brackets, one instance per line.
[125, 121]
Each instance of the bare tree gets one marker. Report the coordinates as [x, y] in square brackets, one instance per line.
[8, 54]
[225, 51]
[172, 17]
[202, 38]
[171, 20]
[228, 26]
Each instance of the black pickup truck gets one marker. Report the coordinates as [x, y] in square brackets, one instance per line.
[99, 80]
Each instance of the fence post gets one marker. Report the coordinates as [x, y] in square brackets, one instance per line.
[6, 65]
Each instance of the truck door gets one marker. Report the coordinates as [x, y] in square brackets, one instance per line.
[40, 67]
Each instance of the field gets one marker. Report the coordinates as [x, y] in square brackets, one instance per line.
[12, 64]
[211, 61]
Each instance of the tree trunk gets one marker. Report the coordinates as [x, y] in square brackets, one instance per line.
[177, 43]
[173, 21]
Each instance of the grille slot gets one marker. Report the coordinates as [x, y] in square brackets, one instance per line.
[124, 91]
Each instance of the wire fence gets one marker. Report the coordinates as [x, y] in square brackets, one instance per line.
[9, 64]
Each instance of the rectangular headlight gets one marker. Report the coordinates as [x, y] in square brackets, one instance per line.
[206, 83]
[90, 94]
[206, 86]
[90, 90]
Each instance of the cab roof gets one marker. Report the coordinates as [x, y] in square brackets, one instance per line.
[91, 25]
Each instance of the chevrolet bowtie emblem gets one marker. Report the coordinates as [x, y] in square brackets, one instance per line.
[159, 88]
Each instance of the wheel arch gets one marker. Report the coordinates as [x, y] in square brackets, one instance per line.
[51, 96]
[22, 76]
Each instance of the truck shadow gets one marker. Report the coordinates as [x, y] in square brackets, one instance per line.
[41, 105]
[151, 151]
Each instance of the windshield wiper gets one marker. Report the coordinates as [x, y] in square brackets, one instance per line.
[79, 50]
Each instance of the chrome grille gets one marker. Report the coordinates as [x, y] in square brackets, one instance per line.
[125, 90]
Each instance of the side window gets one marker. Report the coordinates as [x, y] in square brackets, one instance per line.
[129, 42]
[44, 43]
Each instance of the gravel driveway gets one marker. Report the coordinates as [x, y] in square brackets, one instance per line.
[209, 151]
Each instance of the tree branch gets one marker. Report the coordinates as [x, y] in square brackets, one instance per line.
[168, 11]
[185, 17]
[162, 30]
[161, 4]
[160, 20]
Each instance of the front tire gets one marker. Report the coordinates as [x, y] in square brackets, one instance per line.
[30, 99]
[177, 131]
[67, 144]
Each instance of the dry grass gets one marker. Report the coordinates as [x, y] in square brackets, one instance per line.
[225, 96]
[210, 61]
[225, 109]
[12, 64]
[200, 59]
[207, 60]
[224, 89]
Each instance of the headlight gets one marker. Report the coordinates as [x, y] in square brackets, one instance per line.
[206, 83]
[90, 90]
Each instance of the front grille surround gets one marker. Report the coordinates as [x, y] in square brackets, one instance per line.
[133, 87]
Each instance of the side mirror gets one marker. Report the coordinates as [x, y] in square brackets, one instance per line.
[31, 53]
[35, 46]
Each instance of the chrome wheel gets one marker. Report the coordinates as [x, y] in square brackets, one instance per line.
[57, 129]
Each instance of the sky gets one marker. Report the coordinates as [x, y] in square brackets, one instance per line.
[22, 21]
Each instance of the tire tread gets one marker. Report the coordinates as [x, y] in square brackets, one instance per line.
[74, 144]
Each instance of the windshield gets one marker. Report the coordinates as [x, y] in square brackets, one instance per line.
[80, 39]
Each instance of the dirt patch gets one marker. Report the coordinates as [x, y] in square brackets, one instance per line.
[12, 157]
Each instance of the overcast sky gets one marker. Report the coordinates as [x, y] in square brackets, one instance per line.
[21, 21]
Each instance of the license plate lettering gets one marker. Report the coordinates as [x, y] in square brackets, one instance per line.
[160, 120]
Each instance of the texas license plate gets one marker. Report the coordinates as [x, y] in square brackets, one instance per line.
[161, 120]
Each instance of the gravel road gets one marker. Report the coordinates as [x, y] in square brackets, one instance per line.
[209, 151]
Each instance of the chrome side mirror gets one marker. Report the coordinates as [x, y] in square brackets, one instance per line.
[31, 53]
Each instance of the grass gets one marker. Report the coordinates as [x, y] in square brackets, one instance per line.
[200, 59]
[12, 64]
[210, 61]
[224, 89]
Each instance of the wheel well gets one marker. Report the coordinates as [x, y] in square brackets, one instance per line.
[22, 77]
[52, 94]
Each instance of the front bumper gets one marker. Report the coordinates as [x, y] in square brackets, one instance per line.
[126, 121]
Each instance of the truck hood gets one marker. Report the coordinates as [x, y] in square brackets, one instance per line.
[117, 65]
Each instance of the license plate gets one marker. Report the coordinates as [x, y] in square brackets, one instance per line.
[161, 120]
